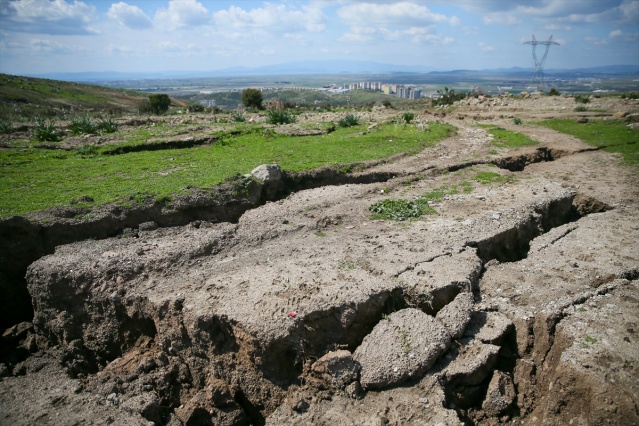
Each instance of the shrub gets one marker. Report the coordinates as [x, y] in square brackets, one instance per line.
[408, 117]
[195, 108]
[349, 120]
[45, 131]
[447, 97]
[238, 117]
[630, 95]
[5, 127]
[582, 99]
[517, 121]
[553, 92]
[252, 98]
[387, 104]
[107, 125]
[581, 108]
[280, 117]
[159, 104]
[83, 125]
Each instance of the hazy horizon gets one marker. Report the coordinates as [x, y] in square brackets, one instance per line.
[61, 36]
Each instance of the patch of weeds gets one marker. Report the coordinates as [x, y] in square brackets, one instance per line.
[83, 125]
[163, 199]
[45, 131]
[466, 187]
[346, 264]
[344, 169]
[320, 233]
[582, 99]
[405, 341]
[238, 117]
[349, 120]
[487, 178]
[517, 121]
[88, 151]
[107, 125]
[493, 152]
[5, 127]
[408, 117]
[400, 210]
[280, 117]
[580, 108]
[590, 339]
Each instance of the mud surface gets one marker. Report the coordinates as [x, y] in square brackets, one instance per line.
[517, 302]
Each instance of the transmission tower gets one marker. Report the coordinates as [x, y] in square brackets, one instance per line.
[538, 73]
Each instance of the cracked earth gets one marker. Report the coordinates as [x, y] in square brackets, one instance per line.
[516, 303]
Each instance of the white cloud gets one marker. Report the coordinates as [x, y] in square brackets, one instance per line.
[499, 18]
[56, 17]
[48, 46]
[393, 22]
[129, 16]
[615, 33]
[485, 47]
[396, 14]
[276, 18]
[183, 14]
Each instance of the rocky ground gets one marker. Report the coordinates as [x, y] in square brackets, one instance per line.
[517, 302]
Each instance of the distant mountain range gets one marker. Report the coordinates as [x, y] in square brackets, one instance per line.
[322, 67]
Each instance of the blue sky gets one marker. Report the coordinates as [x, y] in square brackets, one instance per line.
[42, 36]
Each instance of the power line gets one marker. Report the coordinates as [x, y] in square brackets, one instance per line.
[538, 73]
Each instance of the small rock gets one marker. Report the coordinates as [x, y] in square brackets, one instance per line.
[456, 315]
[338, 368]
[500, 395]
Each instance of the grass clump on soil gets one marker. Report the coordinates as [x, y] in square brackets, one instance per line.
[503, 138]
[35, 178]
[613, 135]
[400, 210]
[487, 178]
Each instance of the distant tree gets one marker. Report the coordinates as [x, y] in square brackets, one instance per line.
[159, 104]
[252, 98]
[554, 92]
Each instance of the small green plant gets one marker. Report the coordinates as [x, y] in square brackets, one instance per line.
[387, 104]
[517, 121]
[590, 340]
[554, 92]
[582, 99]
[107, 125]
[5, 127]
[581, 108]
[400, 210]
[83, 125]
[630, 95]
[280, 117]
[405, 341]
[238, 117]
[88, 151]
[320, 233]
[349, 120]
[503, 138]
[45, 131]
[408, 117]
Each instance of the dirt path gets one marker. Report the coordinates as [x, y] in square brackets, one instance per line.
[516, 301]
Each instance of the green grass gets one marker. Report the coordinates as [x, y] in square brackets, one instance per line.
[503, 138]
[35, 179]
[612, 134]
[487, 178]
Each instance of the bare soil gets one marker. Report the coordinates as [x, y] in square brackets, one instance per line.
[280, 311]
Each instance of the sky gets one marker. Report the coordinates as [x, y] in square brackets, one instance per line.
[45, 36]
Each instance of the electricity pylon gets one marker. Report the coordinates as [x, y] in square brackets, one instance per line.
[538, 73]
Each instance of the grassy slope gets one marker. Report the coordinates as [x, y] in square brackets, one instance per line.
[613, 134]
[34, 179]
[24, 97]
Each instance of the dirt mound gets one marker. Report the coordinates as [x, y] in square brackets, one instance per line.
[516, 301]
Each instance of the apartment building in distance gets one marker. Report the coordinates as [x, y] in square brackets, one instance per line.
[400, 90]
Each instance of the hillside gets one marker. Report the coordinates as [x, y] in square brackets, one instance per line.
[27, 97]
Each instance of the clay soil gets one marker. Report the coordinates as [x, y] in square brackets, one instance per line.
[306, 310]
